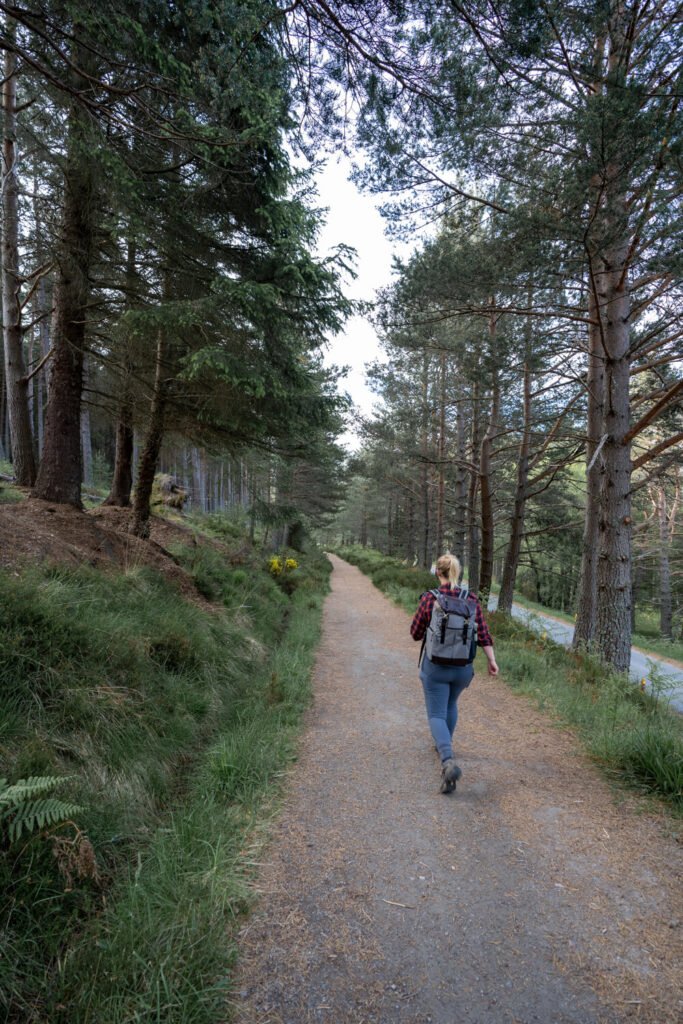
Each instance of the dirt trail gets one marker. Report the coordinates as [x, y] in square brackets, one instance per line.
[529, 895]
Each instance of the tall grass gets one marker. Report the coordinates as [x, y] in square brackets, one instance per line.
[634, 736]
[173, 724]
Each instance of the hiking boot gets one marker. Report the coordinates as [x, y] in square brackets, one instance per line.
[450, 773]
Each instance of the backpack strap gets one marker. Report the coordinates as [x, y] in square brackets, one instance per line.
[424, 637]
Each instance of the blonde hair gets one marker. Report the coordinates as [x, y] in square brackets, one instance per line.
[449, 566]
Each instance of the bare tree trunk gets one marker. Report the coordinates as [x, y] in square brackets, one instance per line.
[59, 475]
[86, 437]
[364, 517]
[588, 580]
[42, 314]
[23, 460]
[410, 546]
[507, 586]
[613, 612]
[460, 489]
[2, 407]
[424, 475]
[441, 450]
[665, 609]
[637, 568]
[4, 439]
[205, 482]
[196, 479]
[486, 577]
[389, 526]
[473, 490]
[122, 482]
[150, 452]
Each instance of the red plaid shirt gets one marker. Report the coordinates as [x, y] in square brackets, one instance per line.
[423, 615]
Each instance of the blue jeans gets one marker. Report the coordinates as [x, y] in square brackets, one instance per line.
[442, 685]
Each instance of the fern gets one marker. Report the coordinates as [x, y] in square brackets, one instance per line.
[25, 806]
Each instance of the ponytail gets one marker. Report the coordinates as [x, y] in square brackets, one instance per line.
[449, 566]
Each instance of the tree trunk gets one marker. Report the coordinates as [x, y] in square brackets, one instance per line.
[588, 580]
[613, 613]
[486, 577]
[441, 456]
[424, 476]
[473, 490]
[122, 482]
[507, 586]
[42, 314]
[15, 373]
[665, 609]
[150, 452]
[460, 489]
[123, 460]
[196, 479]
[59, 475]
[410, 546]
[86, 437]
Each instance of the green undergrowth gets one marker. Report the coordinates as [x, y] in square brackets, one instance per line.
[8, 493]
[169, 724]
[401, 582]
[633, 735]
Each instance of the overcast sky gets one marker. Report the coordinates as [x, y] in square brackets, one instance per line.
[354, 219]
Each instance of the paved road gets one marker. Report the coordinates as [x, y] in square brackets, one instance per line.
[562, 632]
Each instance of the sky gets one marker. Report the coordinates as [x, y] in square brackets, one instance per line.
[353, 219]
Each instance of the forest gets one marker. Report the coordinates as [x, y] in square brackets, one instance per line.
[171, 459]
[164, 308]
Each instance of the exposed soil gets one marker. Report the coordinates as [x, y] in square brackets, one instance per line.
[36, 531]
[533, 893]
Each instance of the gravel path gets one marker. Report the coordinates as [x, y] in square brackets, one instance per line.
[531, 894]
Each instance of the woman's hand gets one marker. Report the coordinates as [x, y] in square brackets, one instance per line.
[491, 658]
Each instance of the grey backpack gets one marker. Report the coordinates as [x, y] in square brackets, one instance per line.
[451, 636]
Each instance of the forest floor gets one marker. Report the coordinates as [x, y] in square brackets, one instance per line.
[534, 893]
[43, 532]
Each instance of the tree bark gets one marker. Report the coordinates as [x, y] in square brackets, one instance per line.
[588, 581]
[610, 241]
[613, 613]
[59, 475]
[487, 525]
[122, 482]
[441, 450]
[196, 479]
[424, 476]
[473, 490]
[507, 586]
[152, 446]
[23, 460]
[86, 437]
[460, 488]
[665, 609]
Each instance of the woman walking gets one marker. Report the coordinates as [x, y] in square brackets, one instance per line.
[443, 681]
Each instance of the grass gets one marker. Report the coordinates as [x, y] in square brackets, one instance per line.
[632, 735]
[171, 726]
[8, 493]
